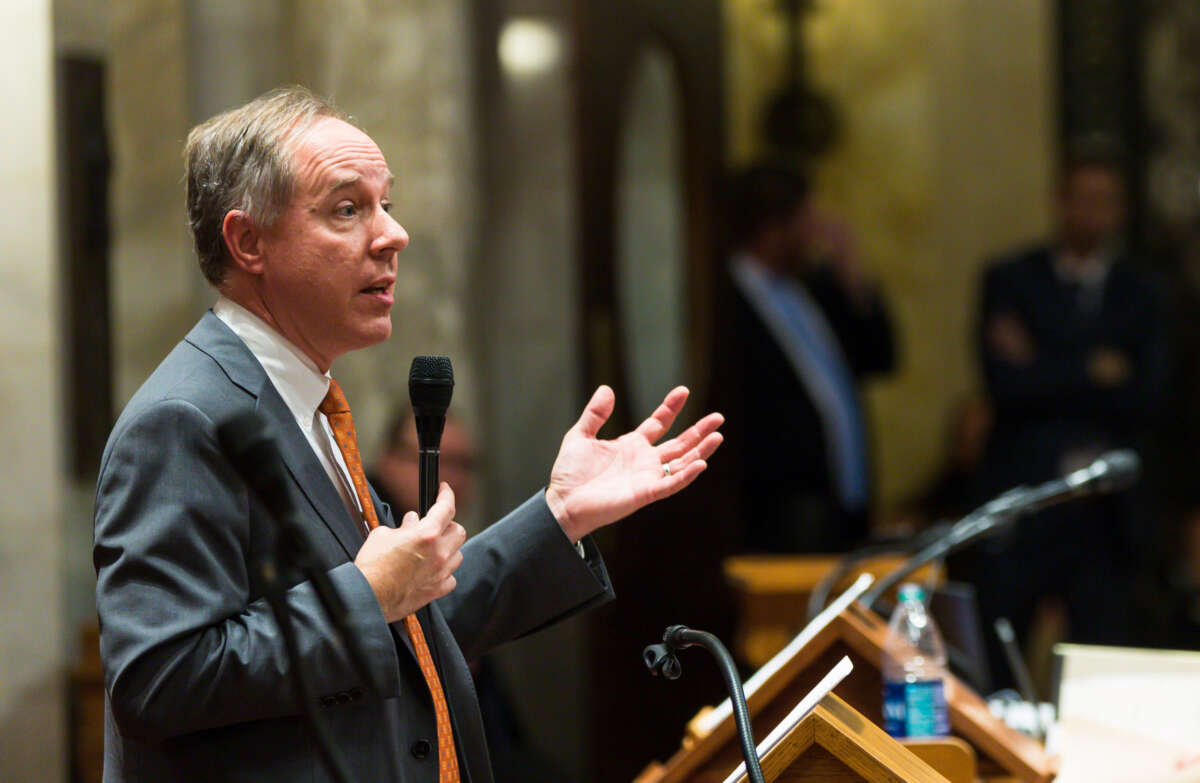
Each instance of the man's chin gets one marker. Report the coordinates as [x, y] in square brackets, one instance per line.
[378, 332]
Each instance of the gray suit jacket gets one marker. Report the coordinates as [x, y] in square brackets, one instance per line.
[195, 670]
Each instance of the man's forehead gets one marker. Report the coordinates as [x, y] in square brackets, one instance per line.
[332, 154]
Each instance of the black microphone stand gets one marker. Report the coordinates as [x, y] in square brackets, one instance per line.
[998, 513]
[906, 547]
[1113, 471]
[249, 441]
[661, 660]
[275, 590]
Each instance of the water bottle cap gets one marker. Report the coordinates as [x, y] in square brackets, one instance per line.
[911, 592]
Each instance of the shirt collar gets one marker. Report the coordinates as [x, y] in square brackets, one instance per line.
[1088, 271]
[295, 376]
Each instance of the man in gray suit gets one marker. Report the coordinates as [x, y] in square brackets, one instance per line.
[290, 213]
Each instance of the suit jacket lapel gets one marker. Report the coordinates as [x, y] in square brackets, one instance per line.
[308, 474]
[214, 338]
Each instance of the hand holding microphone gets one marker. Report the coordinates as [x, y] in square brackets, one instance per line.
[414, 564]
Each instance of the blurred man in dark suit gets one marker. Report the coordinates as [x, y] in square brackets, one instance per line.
[809, 326]
[1072, 346]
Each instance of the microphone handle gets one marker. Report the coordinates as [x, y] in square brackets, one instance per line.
[428, 478]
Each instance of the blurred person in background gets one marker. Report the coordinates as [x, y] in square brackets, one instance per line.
[1072, 347]
[396, 470]
[396, 482]
[810, 324]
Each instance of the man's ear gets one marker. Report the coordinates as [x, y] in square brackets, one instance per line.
[244, 241]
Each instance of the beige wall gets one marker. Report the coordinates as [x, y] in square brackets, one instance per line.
[945, 158]
[32, 707]
[154, 277]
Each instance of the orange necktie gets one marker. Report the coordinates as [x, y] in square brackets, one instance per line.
[337, 410]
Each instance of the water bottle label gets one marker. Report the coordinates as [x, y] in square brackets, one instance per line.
[915, 709]
[895, 710]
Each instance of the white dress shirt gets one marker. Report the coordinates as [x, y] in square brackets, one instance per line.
[302, 387]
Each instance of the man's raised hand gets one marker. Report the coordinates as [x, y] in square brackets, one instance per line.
[596, 482]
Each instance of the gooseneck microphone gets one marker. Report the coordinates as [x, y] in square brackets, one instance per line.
[1111, 472]
[248, 441]
[662, 661]
[430, 386]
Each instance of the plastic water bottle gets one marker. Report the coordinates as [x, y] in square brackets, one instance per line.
[914, 670]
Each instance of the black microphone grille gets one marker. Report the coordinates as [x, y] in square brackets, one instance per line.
[431, 368]
[430, 385]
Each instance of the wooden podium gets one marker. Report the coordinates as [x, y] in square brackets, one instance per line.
[833, 743]
[773, 591]
[858, 633]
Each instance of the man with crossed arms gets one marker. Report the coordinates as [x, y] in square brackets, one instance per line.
[290, 212]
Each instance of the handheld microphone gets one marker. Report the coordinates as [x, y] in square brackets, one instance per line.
[430, 386]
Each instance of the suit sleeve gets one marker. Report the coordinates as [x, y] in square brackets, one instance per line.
[186, 643]
[519, 576]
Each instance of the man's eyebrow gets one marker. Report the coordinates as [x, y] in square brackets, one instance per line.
[344, 182]
[354, 179]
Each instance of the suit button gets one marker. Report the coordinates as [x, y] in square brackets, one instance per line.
[343, 697]
[420, 749]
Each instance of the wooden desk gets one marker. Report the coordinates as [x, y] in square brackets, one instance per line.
[773, 591]
[87, 710]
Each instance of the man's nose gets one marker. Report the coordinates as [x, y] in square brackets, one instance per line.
[392, 235]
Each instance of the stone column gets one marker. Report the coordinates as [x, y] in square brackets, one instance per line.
[154, 274]
[235, 51]
[32, 714]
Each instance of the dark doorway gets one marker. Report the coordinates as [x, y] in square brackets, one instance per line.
[665, 562]
[84, 165]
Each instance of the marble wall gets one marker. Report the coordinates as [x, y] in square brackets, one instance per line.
[524, 318]
[32, 687]
[946, 157]
[404, 71]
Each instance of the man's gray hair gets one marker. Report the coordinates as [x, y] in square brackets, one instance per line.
[240, 160]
